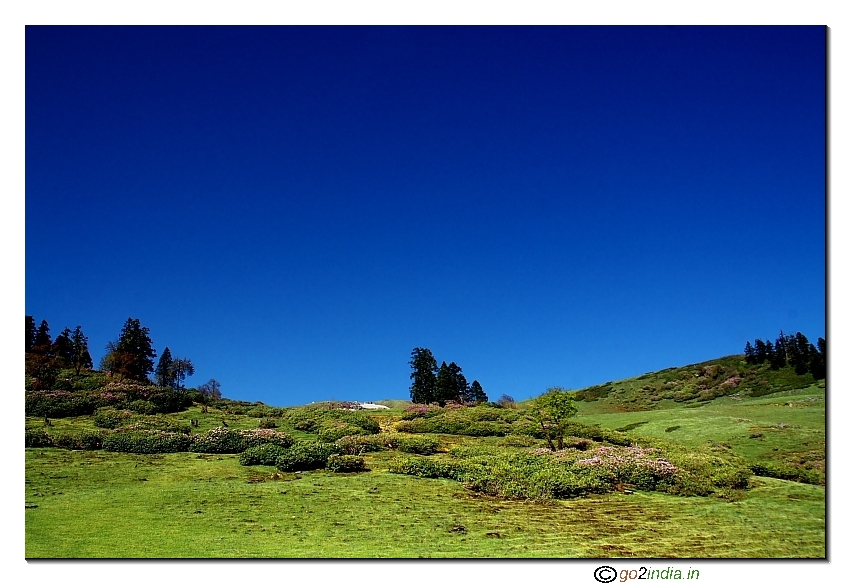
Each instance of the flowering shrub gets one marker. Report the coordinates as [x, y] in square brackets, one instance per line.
[156, 422]
[345, 463]
[261, 455]
[146, 442]
[116, 394]
[329, 431]
[542, 474]
[58, 404]
[632, 465]
[417, 410]
[305, 455]
[218, 440]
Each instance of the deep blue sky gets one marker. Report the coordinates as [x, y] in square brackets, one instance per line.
[296, 208]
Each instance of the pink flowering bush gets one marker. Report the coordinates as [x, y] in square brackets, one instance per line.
[542, 473]
[632, 465]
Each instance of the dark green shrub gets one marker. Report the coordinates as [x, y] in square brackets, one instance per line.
[218, 440]
[86, 440]
[313, 418]
[37, 438]
[146, 442]
[518, 441]
[267, 423]
[142, 407]
[787, 473]
[345, 463]
[255, 437]
[359, 444]
[265, 411]
[58, 404]
[578, 443]
[423, 445]
[261, 455]
[111, 418]
[330, 431]
[425, 467]
[157, 423]
[305, 456]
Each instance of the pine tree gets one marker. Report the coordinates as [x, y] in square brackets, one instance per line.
[63, 347]
[769, 353]
[424, 376]
[800, 356]
[30, 333]
[445, 389]
[760, 351]
[42, 342]
[164, 372]
[80, 357]
[817, 364]
[135, 351]
[749, 353]
[476, 393]
[780, 352]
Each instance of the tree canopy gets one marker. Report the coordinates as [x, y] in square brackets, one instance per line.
[553, 410]
[423, 375]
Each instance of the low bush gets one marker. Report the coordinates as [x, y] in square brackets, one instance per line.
[156, 423]
[542, 474]
[264, 411]
[142, 407]
[261, 455]
[256, 437]
[267, 423]
[787, 473]
[218, 440]
[88, 440]
[423, 445]
[146, 442]
[111, 418]
[359, 444]
[518, 441]
[329, 431]
[37, 438]
[314, 418]
[305, 456]
[345, 463]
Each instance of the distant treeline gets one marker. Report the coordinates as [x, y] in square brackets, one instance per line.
[130, 357]
[793, 350]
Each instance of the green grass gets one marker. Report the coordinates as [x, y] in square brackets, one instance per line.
[98, 504]
[784, 428]
[102, 504]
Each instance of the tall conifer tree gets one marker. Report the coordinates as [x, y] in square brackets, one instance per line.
[423, 375]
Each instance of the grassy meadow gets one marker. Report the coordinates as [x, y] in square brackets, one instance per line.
[97, 503]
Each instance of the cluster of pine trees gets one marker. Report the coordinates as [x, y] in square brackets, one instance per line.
[440, 385]
[130, 357]
[45, 356]
[794, 350]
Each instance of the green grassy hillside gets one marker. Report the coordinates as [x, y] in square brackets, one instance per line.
[694, 383]
[83, 501]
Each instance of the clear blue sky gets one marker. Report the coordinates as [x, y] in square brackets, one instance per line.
[296, 208]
